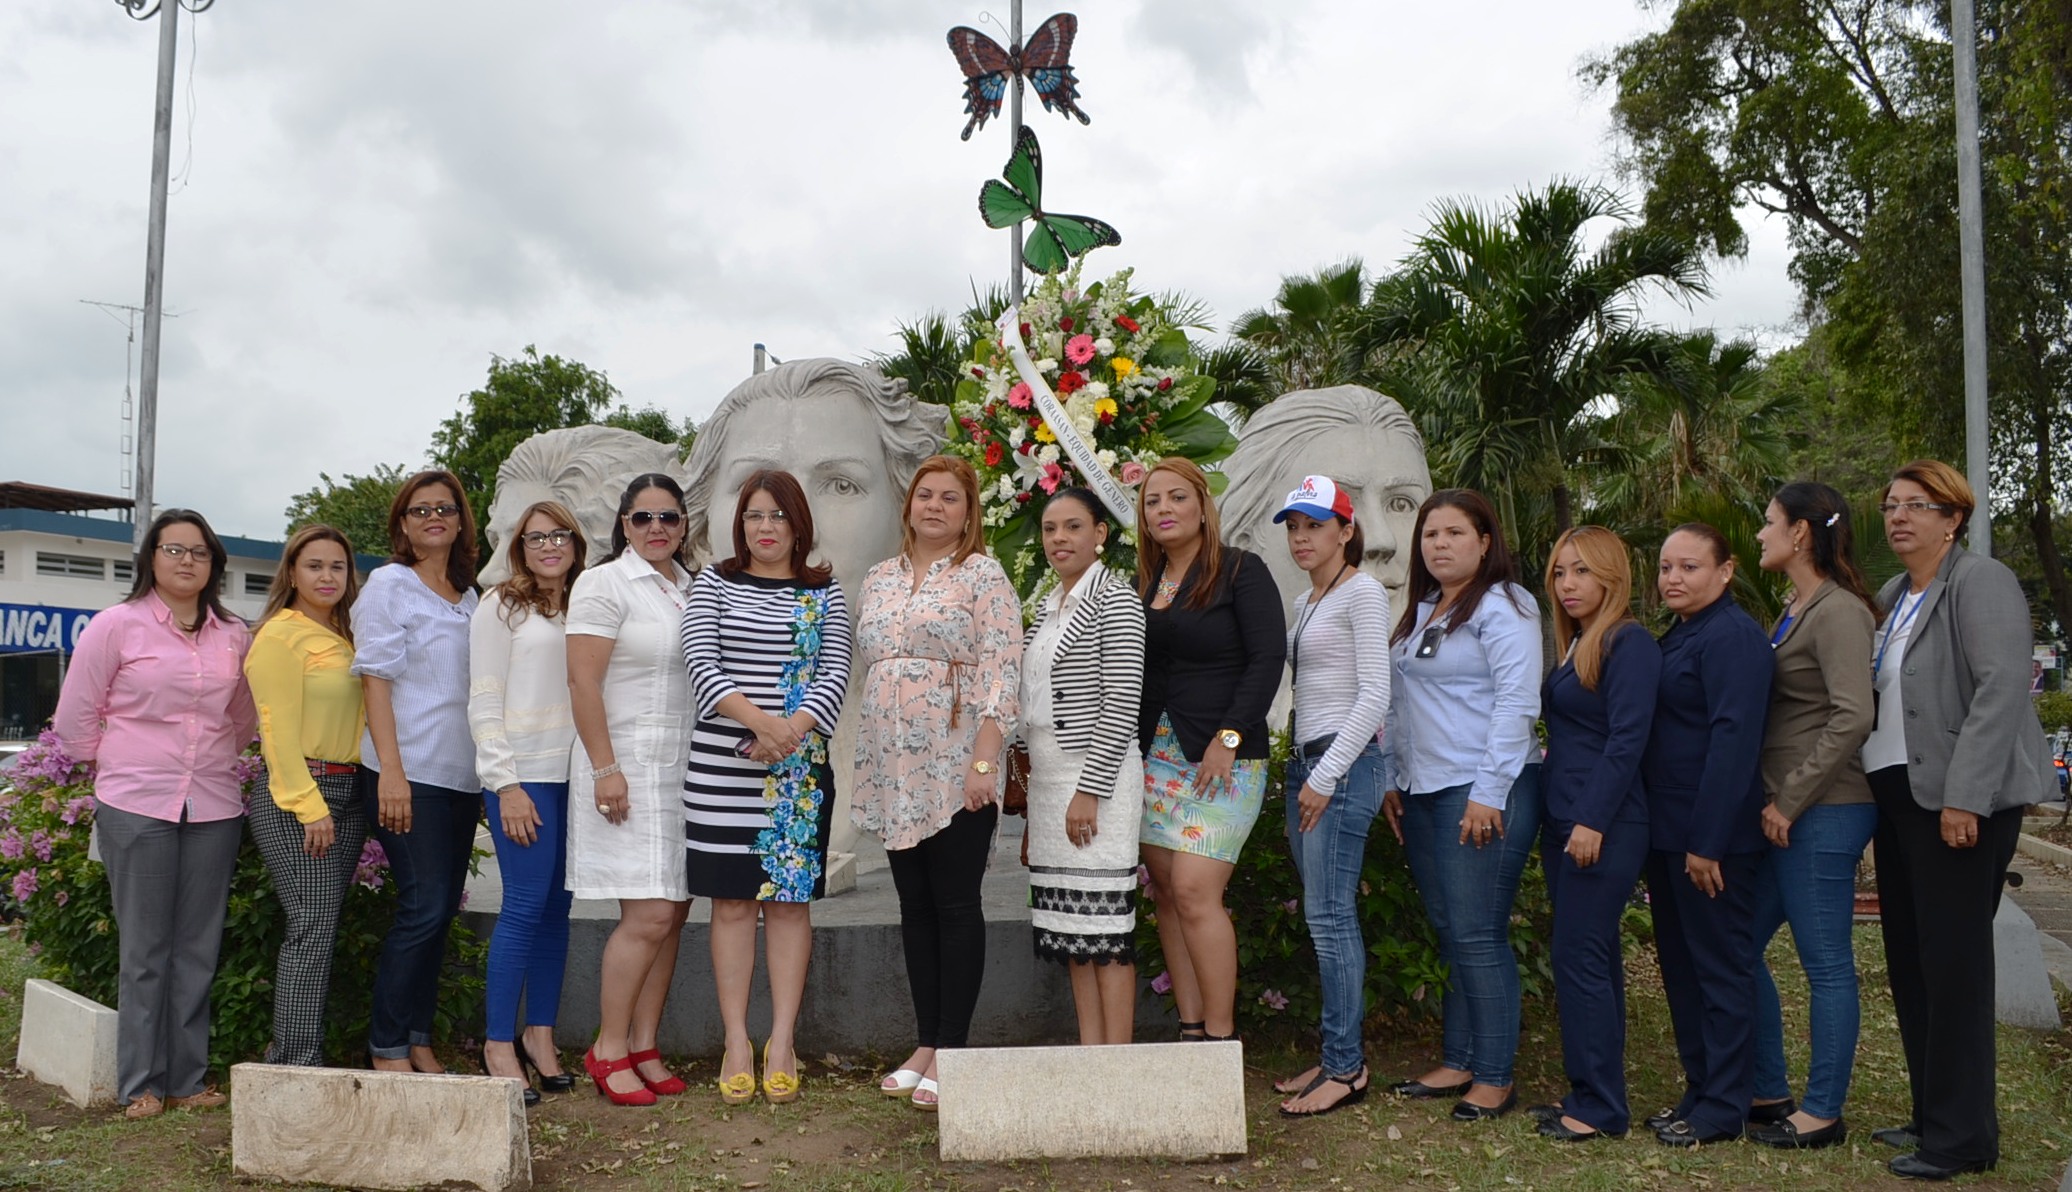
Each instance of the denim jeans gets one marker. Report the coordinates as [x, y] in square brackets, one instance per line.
[529, 948]
[429, 865]
[1812, 886]
[1328, 858]
[1467, 893]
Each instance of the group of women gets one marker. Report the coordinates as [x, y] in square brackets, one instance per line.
[636, 732]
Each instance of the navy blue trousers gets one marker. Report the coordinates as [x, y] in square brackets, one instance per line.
[1707, 950]
[1590, 967]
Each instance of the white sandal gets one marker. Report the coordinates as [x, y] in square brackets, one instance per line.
[926, 1086]
[901, 1083]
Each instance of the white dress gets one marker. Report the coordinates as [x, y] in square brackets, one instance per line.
[647, 708]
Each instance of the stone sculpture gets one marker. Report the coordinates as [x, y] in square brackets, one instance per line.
[584, 468]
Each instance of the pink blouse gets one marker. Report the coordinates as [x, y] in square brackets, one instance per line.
[936, 663]
[164, 714]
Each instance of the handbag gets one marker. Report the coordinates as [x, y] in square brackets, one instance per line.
[1014, 794]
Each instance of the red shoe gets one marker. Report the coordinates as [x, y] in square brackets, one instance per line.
[601, 1071]
[661, 1088]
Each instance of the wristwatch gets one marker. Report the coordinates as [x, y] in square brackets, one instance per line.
[1231, 738]
[983, 766]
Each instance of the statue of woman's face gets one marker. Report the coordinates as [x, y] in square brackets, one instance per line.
[1384, 473]
[832, 445]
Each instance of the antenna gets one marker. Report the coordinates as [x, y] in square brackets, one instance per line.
[129, 412]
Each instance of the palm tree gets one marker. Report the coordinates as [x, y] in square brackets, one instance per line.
[933, 350]
[1506, 333]
[1302, 336]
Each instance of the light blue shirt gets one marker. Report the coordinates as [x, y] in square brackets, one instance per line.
[1463, 715]
[413, 637]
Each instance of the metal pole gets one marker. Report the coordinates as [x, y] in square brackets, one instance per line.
[762, 357]
[1971, 245]
[154, 271]
[1014, 132]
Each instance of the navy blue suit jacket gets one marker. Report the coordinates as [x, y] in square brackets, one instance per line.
[1703, 765]
[1595, 739]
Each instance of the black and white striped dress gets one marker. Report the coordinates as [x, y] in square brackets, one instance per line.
[740, 633]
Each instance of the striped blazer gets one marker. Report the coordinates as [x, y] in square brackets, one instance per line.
[1097, 677]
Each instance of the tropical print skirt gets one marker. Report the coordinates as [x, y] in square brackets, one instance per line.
[1214, 824]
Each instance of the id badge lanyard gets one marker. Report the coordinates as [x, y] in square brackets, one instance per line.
[1901, 618]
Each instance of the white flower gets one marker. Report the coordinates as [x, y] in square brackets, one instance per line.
[1006, 488]
[1105, 346]
[1084, 426]
[1105, 458]
[1017, 436]
[1046, 454]
[1046, 365]
[1095, 390]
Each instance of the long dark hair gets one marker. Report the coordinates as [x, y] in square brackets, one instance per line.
[460, 560]
[210, 602]
[281, 593]
[638, 485]
[1498, 567]
[1214, 558]
[1830, 534]
[784, 489]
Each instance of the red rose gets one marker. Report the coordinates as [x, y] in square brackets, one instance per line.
[979, 373]
[1127, 324]
[994, 454]
[1071, 382]
[1065, 324]
[1106, 419]
[1022, 498]
[1025, 448]
[1164, 383]
[1025, 331]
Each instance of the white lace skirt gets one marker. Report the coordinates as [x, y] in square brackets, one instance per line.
[1082, 900]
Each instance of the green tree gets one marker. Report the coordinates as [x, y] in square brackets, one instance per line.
[655, 424]
[1838, 116]
[1304, 336]
[521, 397]
[935, 349]
[356, 506]
[1507, 332]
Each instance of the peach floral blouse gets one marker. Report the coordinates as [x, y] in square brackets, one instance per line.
[935, 664]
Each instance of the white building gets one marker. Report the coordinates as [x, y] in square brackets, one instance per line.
[65, 556]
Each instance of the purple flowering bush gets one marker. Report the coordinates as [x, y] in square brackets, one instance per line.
[62, 899]
[1278, 990]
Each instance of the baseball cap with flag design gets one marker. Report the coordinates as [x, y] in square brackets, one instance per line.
[1320, 498]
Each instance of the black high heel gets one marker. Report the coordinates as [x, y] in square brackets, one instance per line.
[548, 1084]
[1193, 1032]
[532, 1095]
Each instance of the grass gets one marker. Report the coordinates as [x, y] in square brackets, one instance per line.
[843, 1137]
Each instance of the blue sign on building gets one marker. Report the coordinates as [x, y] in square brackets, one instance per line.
[36, 628]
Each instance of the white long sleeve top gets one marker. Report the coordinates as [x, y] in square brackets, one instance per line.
[518, 707]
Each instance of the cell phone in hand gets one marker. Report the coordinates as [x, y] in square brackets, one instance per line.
[746, 747]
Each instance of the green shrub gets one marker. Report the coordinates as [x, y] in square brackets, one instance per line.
[2054, 709]
[1278, 990]
[64, 901]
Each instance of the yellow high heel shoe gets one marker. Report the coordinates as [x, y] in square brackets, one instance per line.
[738, 1089]
[779, 1087]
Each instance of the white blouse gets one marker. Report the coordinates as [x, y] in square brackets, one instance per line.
[518, 698]
[418, 640]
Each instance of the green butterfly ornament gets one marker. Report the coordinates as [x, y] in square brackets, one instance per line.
[1054, 239]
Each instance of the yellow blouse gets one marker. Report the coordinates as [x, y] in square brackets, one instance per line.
[309, 707]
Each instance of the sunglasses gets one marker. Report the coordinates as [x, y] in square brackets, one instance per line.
[427, 512]
[647, 517]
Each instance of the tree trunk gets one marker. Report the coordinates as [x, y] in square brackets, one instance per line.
[1563, 520]
[2047, 557]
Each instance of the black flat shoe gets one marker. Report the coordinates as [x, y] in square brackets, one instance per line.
[548, 1084]
[1786, 1135]
[1903, 1138]
[1193, 1032]
[1554, 1128]
[1913, 1167]
[1418, 1090]
[1661, 1119]
[1467, 1111]
[1543, 1113]
[1771, 1114]
[1687, 1133]
[1355, 1093]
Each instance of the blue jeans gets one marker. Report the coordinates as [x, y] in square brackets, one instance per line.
[529, 948]
[1467, 893]
[1812, 886]
[429, 865]
[1328, 858]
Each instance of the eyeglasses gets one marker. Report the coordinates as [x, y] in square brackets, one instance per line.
[1912, 507]
[427, 512]
[176, 551]
[757, 517]
[647, 517]
[545, 538]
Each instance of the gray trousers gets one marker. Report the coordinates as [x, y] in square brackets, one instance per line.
[170, 884]
[311, 892]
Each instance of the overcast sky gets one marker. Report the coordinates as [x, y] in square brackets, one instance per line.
[372, 198]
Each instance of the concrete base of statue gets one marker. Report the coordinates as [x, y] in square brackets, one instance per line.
[1151, 1100]
[356, 1128]
[68, 1041]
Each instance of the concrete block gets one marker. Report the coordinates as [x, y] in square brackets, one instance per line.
[2022, 994]
[364, 1129]
[841, 873]
[69, 1041]
[1169, 1100]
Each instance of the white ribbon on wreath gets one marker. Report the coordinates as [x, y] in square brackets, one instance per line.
[1075, 445]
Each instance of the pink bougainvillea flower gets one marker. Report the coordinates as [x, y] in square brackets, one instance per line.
[1275, 999]
[1162, 983]
[24, 885]
[1079, 349]
[1019, 396]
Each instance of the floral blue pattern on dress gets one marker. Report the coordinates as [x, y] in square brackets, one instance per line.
[794, 791]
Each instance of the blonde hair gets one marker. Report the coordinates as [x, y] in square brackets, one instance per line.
[1609, 560]
[974, 540]
[1151, 556]
[1944, 484]
[281, 593]
[522, 591]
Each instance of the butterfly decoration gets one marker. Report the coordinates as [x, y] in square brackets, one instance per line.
[989, 68]
[1054, 239]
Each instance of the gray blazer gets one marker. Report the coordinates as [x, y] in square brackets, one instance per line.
[1973, 740]
[1820, 705]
